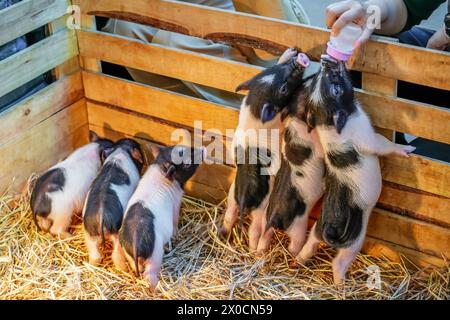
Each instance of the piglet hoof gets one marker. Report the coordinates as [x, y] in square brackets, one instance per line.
[294, 264]
[405, 151]
[300, 260]
[152, 279]
[223, 233]
[64, 235]
[95, 261]
[288, 54]
[338, 279]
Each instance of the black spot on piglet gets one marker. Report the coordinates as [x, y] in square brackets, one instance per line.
[51, 181]
[137, 235]
[343, 159]
[340, 222]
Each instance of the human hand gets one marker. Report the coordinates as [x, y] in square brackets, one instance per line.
[440, 40]
[339, 14]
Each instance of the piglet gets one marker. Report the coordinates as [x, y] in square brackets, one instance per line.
[269, 93]
[298, 184]
[151, 217]
[108, 198]
[353, 176]
[61, 191]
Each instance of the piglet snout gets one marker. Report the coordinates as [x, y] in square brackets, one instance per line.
[303, 60]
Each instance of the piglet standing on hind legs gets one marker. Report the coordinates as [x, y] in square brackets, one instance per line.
[61, 190]
[353, 175]
[108, 198]
[152, 214]
[269, 93]
[298, 184]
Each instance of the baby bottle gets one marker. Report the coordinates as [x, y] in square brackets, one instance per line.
[341, 47]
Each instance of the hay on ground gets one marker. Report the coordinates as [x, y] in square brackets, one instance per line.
[198, 265]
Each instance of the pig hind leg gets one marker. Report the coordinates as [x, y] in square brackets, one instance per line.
[231, 214]
[92, 242]
[297, 234]
[153, 265]
[118, 254]
[310, 248]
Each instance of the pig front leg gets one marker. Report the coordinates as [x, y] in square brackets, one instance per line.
[231, 214]
[310, 248]
[381, 146]
[265, 239]
[118, 255]
[254, 232]
[344, 259]
[258, 224]
[95, 256]
[297, 234]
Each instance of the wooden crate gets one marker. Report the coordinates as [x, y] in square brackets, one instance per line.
[413, 216]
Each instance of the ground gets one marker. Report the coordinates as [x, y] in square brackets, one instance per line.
[198, 265]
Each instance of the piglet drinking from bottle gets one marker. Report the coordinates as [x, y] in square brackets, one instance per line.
[353, 177]
[152, 214]
[298, 184]
[256, 159]
[61, 191]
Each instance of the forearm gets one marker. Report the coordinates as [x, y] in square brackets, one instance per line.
[394, 15]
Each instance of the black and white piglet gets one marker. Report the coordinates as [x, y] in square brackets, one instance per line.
[298, 184]
[61, 190]
[353, 176]
[108, 198]
[269, 93]
[152, 214]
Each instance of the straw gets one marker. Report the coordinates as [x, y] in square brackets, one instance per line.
[199, 265]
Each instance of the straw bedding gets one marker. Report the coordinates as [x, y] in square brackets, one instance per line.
[197, 265]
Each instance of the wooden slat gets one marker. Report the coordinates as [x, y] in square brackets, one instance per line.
[175, 63]
[212, 185]
[149, 128]
[43, 145]
[27, 15]
[407, 116]
[70, 66]
[158, 103]
[29, 63]
[384, 86]
[410, 233]
[395, 114]
[381, 57]
[418, 172]
[35, 109]
[394, 252]
[415, 203]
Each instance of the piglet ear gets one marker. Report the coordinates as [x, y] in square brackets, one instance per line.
[268, 112]
[92, 136]
[155, 150]
[106, 153]
[340, 119]
[244, 86]
[137, 155]
[170, 172]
